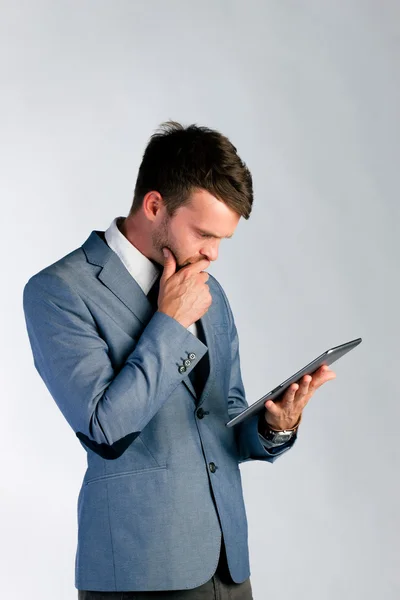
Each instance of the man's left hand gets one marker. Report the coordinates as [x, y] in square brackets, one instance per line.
[285, 413]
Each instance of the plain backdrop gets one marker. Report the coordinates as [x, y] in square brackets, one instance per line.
[308, 92]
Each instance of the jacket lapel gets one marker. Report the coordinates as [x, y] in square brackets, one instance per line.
[115, 276]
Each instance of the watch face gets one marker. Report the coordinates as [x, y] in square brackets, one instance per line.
[280, 438]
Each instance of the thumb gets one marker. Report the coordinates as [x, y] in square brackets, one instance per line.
[169, 264]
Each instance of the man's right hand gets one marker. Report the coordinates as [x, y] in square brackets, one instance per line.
[184, 295]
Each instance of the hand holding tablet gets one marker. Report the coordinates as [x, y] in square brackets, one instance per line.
[282, 413]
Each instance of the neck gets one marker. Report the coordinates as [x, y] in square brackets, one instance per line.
[136, 230]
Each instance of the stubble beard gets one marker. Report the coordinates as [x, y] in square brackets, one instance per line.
[160, 239]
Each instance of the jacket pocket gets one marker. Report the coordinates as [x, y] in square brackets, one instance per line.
[110, 476]
[138, 458]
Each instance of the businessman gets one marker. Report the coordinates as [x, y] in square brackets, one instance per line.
[137, 344]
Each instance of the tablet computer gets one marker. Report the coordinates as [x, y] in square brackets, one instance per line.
[327, 358]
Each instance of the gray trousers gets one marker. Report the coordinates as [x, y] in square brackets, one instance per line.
[219, 587]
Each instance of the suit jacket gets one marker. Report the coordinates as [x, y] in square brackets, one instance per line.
[162, 478]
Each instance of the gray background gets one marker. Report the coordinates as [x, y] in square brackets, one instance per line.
[308, 92]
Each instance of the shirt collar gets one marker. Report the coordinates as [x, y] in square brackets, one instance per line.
[139, 266]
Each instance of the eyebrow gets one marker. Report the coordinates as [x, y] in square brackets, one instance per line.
[213, 234]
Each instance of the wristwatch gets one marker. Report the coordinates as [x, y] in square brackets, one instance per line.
[280, 436]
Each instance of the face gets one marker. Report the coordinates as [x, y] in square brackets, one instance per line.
[195, 231]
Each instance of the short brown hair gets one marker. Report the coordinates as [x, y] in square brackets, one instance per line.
[178, 160]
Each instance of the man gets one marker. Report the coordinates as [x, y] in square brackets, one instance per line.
[137, 344]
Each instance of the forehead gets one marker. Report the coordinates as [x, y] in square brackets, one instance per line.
[205, 210]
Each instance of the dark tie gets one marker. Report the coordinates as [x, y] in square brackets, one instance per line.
[198, 375]
[152, 296]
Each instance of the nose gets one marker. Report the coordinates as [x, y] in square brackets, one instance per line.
[211, 251]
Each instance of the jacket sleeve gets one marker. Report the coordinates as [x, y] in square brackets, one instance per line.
[106, 409]
[251, 445]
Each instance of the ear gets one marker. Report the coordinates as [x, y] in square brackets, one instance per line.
[152, 204]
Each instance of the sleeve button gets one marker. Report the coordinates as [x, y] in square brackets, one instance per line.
[182, 369]
[192, 356]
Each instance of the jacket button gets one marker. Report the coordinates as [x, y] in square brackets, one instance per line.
[182, 369]
[213, 467]
[192, 356]
[200, 413]
[187, 362]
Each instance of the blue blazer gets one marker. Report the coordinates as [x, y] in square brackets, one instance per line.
[162, 477]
